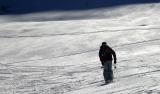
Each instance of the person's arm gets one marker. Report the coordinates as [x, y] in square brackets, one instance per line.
[100, 56]
[114, 56]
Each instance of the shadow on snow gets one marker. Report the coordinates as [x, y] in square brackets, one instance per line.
[31, 6]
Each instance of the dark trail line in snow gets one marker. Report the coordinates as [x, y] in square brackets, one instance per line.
[143, 73]
[77, 33]
[126, 76]
[139, 42]
[143, 66]
[135, 88]
[98, 82]
[3, 64]
[93, 84]
[131, 88]
[126, 89]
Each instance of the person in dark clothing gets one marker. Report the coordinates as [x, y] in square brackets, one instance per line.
[105, 55]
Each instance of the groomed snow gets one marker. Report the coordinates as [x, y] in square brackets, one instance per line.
[41, 55]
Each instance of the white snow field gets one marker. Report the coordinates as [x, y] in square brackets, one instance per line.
[41, 55]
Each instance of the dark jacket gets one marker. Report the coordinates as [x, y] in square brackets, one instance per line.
[105, 54]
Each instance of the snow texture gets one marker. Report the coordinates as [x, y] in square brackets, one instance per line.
[41, 55]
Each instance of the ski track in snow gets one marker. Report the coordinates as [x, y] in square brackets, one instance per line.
[76, 77]
[30, 65]
[81, 33]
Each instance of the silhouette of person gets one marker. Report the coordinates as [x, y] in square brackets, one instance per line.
[105, 55]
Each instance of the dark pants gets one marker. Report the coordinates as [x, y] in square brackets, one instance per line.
[107, 72]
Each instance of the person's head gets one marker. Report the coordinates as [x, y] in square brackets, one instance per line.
[104, 43]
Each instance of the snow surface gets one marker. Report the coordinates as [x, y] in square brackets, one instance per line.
[41, 55]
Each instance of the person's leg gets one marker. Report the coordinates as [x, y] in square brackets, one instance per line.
[104, 75]
[110, 70]
[106, 71]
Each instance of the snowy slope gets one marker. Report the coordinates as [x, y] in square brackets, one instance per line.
[41, 55]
